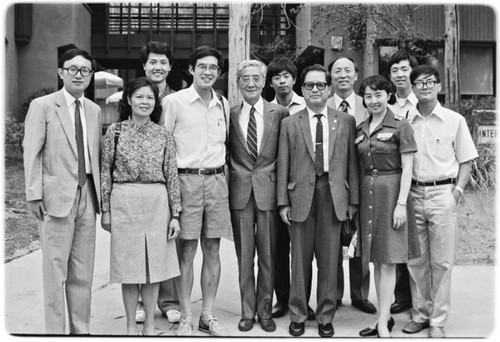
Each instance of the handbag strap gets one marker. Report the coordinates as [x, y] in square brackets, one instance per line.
[118, 129]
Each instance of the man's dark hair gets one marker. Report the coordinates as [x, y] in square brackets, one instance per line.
[423, 70]
[280, 64]
[72, 53]
[316, 67]
[125, 110]
[204, 51]
[402, 55]
[160, 48]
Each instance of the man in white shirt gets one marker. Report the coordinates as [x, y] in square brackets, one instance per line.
[282, 75]
[441, 170]
[344, 73]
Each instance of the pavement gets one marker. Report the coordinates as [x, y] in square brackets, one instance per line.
[473, 311]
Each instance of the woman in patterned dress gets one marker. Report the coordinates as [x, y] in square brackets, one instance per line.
[140, 200]
[385, 147]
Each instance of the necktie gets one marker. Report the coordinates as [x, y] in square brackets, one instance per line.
[252, 135]
[318, 155]
[344, 106]
[82, 174]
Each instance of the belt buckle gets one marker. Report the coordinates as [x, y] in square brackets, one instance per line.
[201, 172]
[374, 172]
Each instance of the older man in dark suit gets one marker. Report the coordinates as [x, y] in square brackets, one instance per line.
[253, 136]
[317, 190]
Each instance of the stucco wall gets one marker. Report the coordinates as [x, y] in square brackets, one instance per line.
[54, 25]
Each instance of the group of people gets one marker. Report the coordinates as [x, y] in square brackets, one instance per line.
[279, 178]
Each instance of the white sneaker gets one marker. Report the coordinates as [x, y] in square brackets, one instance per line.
[173, 315]
[140, 314]
[185, 328]
[213, 327]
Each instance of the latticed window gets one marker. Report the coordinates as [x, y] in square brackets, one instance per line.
[133, 18]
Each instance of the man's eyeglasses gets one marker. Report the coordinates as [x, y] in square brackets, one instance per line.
[428, 84]
[212, 67]
[319, 85]
[246, 79]
[74, 70]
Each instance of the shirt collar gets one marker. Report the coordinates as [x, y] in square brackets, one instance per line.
[351, 99]
[438, 112]
[194, 96]
[311, 113]
[70, 100]
[296, 100]
[259, 107]
[412, 98]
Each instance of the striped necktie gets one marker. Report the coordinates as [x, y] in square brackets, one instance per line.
[318, 155]
[344, 106]
[252, 135]
[82, 174]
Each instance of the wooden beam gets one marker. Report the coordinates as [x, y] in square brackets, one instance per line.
[452, 56]
[239, 45]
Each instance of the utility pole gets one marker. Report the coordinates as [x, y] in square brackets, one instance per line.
[452, 56]
[239, 45]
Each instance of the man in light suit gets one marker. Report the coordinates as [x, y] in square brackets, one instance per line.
[344, 73]
[61, 163]
[253, 145]
[318, 188]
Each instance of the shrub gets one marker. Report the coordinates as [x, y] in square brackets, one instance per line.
[27, 100]
[14, 133]
[483, 173]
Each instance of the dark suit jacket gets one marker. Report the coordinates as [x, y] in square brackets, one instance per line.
[296, 173]
[261, 177]
[50, 153]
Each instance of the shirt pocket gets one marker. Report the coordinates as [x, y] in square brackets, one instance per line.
[441, 147]
[382, 143]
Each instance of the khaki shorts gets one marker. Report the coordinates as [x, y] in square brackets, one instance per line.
[205, 207]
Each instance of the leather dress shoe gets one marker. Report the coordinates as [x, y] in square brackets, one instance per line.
[325, 330]
[311, 316]
[400, 306]
[245, 324]
[374, 332]
[296, 329]
[267, 324]
[364, 305]
[279, 310]
[415, 327]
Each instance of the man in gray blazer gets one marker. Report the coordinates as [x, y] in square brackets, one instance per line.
[253, 145]
[61, 165]
[318, 188]
[344, 74]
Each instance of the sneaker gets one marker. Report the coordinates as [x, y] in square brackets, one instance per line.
[213, 327]
[140, 314]
[173, 315]
[185, 327]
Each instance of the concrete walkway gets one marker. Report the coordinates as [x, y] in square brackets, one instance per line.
[472, 314]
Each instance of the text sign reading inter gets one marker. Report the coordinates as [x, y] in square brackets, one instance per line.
[486, 134]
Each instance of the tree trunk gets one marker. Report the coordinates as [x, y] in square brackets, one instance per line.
[239, 45]
[452, 56]
[369, 57]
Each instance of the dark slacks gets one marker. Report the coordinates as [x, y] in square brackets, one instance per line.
[318, 236]
[359, 279]
[402, 291]
[255, 230]
[282, 266]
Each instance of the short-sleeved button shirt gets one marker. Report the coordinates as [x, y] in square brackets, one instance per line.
[382, 149]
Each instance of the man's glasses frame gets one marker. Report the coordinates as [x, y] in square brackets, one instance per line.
[73, 71]
[319, 85]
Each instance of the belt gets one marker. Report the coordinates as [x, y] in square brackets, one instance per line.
[376, 172]
[202, 172]
[434, 183]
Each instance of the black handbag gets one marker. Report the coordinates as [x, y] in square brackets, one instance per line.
[347, 232]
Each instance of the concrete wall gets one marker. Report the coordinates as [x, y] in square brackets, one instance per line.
[33, 65]
[11, 84]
